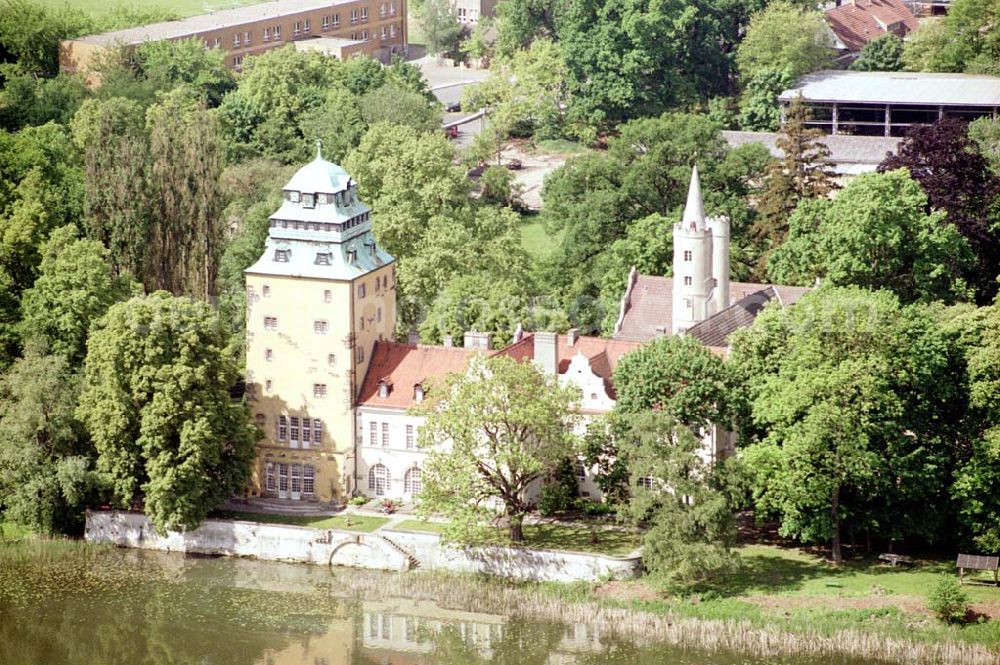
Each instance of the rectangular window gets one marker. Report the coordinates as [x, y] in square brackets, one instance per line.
[378, 315]
[296, 478]
[364, 35]
[319, 390]
[236, 40]
[361, 290]
[317, 431]
[409, 436]
[277, 32]
[267, 34]
[246, 38]
[326, 22]
[392, 7]
[336, 20]
[364, 13]
[308, 479]
[268, 355]
[306, 26]
[687, 280]
[359, 355]
[319, 327]
[331, 359]
[297, 28]
[385, 435]
[269, 484]
[328, 296]
[238, 62]
[354, 16]
[373, 434]
[382, 9]
[392, 30]
[282, 255]
[687, 254]
[270, 323]
[308, 200]
[306, 432]
[267, 291]
[218, 42]
[293, 430]
[323, 259]
[385, 32]
[267, 385]
[282, 428]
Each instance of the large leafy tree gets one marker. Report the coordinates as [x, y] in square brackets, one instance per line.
[156, 403]
[46, 460]
[166, 64]
[784, 37]
[958, 180]
[73, 290]
[491, 432]
[966, 40]
[441, 27]
[882, 54]
[852, 401]
[482, 302]
[876, 233]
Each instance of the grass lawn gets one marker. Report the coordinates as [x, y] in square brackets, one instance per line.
[535, 239]
[362, 523]
[570, 537]
[181, 8]
[11, 531]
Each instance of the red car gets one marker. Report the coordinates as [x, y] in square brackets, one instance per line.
[451, 132]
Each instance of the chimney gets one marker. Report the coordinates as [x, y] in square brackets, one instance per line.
[477, 340]
[572, 335]
[447, 341]
[545, 352]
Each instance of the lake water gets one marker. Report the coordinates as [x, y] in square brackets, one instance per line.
[111, 607]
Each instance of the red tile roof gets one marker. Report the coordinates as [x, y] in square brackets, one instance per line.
[403, 366]
[857, 22]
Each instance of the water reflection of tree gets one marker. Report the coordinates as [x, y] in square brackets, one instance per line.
[518, 643]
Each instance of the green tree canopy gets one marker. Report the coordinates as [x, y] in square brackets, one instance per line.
[490, 433]
[966, 40]
[156, 403]
[784, 37]
[882, 54]
[876, 233]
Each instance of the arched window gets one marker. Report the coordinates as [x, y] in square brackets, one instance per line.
[378, 479]
[412, 481]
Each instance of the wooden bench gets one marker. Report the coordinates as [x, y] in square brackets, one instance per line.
[977, 562]
[896, 558]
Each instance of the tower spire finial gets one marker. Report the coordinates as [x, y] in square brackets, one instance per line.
[319, 148]
[694, 209]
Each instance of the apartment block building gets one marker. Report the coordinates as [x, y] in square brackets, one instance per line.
[376, 28]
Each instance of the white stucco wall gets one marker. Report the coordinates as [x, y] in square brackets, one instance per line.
[384, 550]
[395, 456]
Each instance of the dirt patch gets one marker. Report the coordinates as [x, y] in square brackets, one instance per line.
[990, 609]
[631, 590]
[910, 605]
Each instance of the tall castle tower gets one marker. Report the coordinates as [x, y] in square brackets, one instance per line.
[318, 299]
[701, 262]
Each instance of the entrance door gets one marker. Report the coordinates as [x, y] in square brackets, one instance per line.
[282, 481]
[296, 482]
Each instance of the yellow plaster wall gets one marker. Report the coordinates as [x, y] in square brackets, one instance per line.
[300, 359]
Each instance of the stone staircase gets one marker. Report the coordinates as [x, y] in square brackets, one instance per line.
[282, 507]
[413, 561]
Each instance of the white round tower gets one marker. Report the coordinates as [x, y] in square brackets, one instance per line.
[719, 227]
[693, 282]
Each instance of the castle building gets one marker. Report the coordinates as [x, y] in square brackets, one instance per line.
[318, 300]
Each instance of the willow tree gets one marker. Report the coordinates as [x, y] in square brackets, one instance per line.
[491, 432]
[187, 232]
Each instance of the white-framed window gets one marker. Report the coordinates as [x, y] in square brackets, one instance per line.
[354, 16]
[267, 34]
[581, 472]
[296, 479]
[306, 25]
[378, 479]
[364, 35]
[297, 28]
[328, 296]
[687, 303]
[308, 479]
[336, 20]
[413, 481]
[382, 10]
[364, 13]
[385, 435]
[392, 30]
[270, 323]
[269, 482]
[236, 40]
[373, 434]
[217, 42]
[282, 428]
[238, 62]
[385, 32]
[246, 38]
[392, 7]
[320, 327]
[409, 436]
[319, 390]
[326, 22]
[317, 431]
[293, 429]
[266, 290]
[308, 200]
[461, 14]
[268, 355]
[687, 280]
[331, 359]
[277, 32]
[306, 432]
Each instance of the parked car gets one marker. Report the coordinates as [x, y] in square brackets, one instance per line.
[515, 165]
[454, 107]
[451, 132]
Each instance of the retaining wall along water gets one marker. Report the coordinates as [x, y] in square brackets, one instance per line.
[380, 550]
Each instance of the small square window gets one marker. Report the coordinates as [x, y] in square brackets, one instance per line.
[687, 255]
[294, 197]
[323, 259]
[282, 255]
[270, 323]
[319, 327]
[319, 390]
[308, 200]
[687, 280]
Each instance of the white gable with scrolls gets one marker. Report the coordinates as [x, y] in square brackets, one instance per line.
[594, 393]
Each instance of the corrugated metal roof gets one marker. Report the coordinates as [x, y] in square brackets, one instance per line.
[193, 25]
[919, 89]
[844, 149]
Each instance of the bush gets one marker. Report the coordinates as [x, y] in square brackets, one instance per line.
[358, 500]
[948, 600]
[559, 492]
[596, 508]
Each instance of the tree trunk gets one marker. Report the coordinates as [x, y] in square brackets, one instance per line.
[835, 553]
[516, 530]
